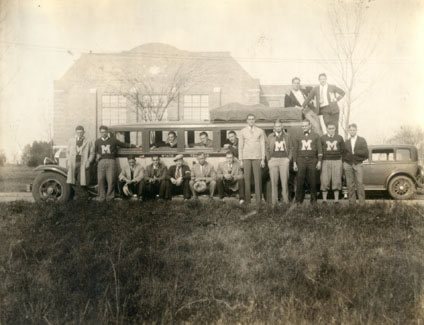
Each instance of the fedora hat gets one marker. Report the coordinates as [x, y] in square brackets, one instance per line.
[200, 186]
[178, 157]
[127, 191]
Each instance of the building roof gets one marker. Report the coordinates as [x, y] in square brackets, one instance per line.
[156, 61]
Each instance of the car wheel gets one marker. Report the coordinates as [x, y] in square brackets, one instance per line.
[401, 187]
[51, 187]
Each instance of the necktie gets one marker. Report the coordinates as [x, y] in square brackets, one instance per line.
[132, 173]
[321, 95]
[178, 173]
[201, 170]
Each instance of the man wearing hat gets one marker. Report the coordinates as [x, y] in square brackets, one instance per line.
[178, 182]
[79, 155]
[131, 179]
[202, 177]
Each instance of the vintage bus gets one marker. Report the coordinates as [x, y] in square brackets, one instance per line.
[149, 140]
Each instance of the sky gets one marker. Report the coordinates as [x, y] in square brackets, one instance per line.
[273, 40]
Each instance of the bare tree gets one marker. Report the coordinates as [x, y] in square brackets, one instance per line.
[351, 44]
[409, 134]
[153, 86]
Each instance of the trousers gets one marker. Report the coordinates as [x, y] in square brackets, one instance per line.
[355, 184]
[254, 165]
[279, 169]
[307, 170]
[106, 176]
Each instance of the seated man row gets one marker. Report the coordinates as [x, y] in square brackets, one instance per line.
[159, 181]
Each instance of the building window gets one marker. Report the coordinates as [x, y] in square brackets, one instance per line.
[114, 110]
[153, 108]
[196, 107]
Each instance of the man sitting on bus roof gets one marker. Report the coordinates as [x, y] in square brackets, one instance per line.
[155, 179]
[202, 177]
[178, 182]
[230, 177]
[204, 141]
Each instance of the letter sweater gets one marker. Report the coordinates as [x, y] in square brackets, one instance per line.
[332, 147]
[307, 145]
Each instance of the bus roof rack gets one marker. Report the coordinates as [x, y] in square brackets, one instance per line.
[236, 112]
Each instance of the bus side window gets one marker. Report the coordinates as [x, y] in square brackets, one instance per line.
[163, 139]
[198, 139]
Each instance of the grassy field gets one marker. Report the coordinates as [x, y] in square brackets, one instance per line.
[128, 262]
[14, 178]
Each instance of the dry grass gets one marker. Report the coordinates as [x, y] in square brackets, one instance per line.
[14, 178]
[130, 262]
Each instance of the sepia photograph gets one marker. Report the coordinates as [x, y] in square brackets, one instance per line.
[211, 162]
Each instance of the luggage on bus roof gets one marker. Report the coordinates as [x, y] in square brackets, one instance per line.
[238, 112]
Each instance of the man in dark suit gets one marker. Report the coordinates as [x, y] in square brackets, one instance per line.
[356, 151]
[326, 98]
[296, 98]
[179, 176]
[155, 179]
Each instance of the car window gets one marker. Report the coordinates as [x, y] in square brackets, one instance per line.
[383, 155]
[403, 154]
[163, 140]
[198, 139]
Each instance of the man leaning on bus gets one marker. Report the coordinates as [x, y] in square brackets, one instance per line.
[252, 157]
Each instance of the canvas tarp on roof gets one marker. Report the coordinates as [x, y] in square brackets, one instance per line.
[238, 112]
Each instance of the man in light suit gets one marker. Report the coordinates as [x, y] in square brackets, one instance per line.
[203, 177]
[326, 98]
[230, 177]
[79, 156]
[131, 179]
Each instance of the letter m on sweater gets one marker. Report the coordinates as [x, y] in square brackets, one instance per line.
[331, 145]
[306, 144]
[280, 146]
[105, 149]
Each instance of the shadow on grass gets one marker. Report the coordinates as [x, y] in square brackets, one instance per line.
[204, 262]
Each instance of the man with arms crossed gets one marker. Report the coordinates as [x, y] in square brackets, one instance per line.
[307, 156]
[356, 151]
[80, 154]
[279, 154]
[332, 168]
[106, 148]
[252, 157]
[230, 177]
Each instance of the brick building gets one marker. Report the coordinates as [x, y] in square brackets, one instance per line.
[114, 88]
